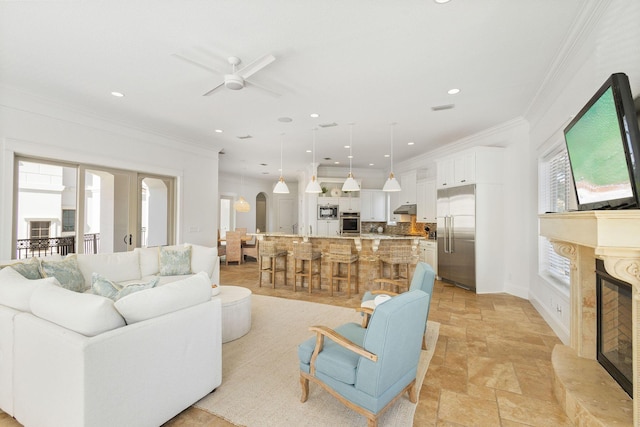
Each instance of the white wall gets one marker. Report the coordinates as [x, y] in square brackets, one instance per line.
[37, 127]
[230, 185]
[609, 44]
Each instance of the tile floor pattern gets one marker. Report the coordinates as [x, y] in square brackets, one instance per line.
[491, 367]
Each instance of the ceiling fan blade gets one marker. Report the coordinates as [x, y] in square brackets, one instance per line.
[255, 66]
[211, 91]
[196, 63]
[264, 88]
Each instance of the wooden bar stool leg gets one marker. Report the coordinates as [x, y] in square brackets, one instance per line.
[260, 270]
[273, 271]
[349, 280]
[331, 278]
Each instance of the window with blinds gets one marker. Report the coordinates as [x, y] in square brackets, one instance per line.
[556, 189]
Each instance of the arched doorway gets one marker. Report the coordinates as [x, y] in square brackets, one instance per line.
[261, 212]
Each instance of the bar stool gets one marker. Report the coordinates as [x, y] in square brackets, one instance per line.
[268, 249]
[303, 252]
[397, 257]
[341, 255]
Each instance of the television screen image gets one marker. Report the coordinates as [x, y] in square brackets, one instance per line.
[597, 155]
[602, 144]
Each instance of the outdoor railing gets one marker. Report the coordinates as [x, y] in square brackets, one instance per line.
[27, 248]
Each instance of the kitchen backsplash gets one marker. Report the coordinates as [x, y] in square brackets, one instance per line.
[401, 228]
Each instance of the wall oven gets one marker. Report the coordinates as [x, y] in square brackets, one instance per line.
[327, 211]
[350, 223]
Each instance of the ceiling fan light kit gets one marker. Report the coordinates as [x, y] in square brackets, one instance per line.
[233, 82]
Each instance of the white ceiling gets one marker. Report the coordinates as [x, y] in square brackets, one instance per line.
[360, 61]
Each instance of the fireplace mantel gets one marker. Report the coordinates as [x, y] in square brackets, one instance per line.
[614, 237]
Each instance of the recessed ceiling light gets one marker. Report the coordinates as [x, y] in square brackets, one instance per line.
[372, 164]
[441, 1]
[346, 146]
[118, 94]
[410, 143]
[349, 157]
[453, 91]
[314, 115]
[218, 130]
[386, 155]
[336, 163]
[285, 119]
[308, 151]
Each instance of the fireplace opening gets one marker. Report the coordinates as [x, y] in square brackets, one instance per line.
[614, 327]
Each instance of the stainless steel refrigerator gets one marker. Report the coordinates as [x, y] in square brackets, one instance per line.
[456, 210]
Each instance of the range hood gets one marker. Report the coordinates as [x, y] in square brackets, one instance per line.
[406, 210]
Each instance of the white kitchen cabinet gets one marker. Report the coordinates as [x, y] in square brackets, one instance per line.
[373, 204]
[426, 201]
[394, 203]
[428, 252]
[349, 204]
[475, 165]
[323, 201]
[408, 182]
[328, 227]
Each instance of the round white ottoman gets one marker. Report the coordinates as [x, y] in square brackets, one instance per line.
[236, 311]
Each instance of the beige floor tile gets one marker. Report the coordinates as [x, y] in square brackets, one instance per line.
[466, 410]
[487, 372]
[534, 412]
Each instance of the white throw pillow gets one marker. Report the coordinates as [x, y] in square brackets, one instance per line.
[175, 260]
[117, 266]
[16, 290]
[203, 259]
[165, 299]
[86, 314]
[149, 260]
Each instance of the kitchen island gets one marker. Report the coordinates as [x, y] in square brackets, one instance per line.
[367, 246]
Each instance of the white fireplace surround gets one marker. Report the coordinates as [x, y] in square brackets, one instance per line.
[614, 237]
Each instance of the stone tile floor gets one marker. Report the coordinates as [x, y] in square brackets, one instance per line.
[491, 367]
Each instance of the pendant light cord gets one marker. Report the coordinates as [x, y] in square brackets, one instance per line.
[350, 147]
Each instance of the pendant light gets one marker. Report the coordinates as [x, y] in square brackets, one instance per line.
[350, 184]
[392, 183]
[281, 186]
[241, 205]
[314, 185]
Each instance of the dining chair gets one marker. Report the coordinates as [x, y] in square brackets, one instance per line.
[234, 248]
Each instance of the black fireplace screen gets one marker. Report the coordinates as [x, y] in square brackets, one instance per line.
[615, 344]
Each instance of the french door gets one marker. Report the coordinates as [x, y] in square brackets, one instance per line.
[114, 210]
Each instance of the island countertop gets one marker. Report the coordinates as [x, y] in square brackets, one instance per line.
[365, 236]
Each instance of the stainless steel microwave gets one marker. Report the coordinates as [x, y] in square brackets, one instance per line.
[328, 212]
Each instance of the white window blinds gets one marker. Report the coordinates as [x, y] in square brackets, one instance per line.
[556, 188]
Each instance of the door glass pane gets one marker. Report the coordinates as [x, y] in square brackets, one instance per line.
[45, 192]
[154, 215]
[107, 211]
[225, 216]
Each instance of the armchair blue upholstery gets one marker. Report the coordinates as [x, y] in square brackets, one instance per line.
[423, 279]
[367, 369]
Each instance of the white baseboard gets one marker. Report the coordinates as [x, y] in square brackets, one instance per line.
[518, 291]
[560, 330]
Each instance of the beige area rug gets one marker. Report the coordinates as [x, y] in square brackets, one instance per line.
[260, 371]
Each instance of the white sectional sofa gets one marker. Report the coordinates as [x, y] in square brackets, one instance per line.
[80, 359]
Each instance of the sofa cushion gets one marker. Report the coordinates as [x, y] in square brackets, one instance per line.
[149, 260]
[83, 313]
[117, 266]
[165, 299]
[175, 260]
[29, 269]
[203, 259]
[114, 291]
[16, 290]
[66, 271]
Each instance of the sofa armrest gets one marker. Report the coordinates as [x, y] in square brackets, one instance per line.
[141, 374]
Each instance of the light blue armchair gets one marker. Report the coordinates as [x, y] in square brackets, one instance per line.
[367, 369]
[423, 279]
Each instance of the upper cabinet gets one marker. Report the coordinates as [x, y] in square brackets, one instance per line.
[349, 204]
[408, 182]
[479, 164]
[373, 204]
[426, 201]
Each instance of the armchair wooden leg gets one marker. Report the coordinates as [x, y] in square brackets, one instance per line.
[424, 341]
[413, 392]
[372, 422]
[304, 384]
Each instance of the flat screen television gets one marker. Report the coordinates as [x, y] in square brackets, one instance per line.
[603, 144]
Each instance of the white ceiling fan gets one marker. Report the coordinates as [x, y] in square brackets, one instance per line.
[238, 77]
